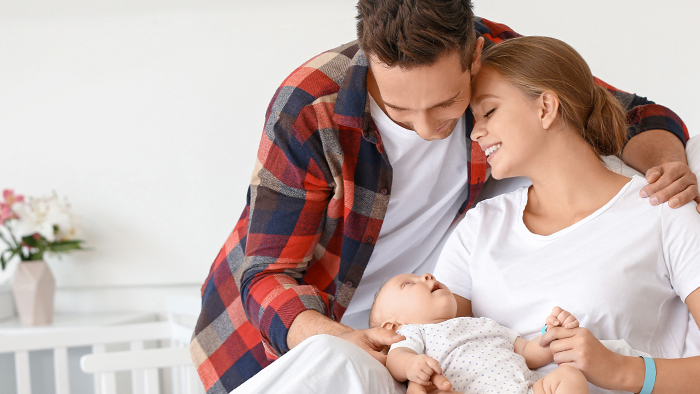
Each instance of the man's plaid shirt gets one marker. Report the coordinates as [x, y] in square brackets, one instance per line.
[317, 198]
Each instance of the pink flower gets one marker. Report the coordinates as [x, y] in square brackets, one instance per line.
[11, 198]
[6, 213]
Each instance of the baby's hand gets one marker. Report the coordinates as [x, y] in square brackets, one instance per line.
[420, 368]
[560, 317]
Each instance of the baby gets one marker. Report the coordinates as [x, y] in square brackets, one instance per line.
[476, 355]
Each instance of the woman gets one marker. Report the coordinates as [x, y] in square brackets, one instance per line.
[579, 237]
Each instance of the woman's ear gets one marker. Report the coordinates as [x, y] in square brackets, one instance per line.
[549, 102]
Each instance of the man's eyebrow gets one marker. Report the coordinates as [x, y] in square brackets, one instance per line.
[440, 104]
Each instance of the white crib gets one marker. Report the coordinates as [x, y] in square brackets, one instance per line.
[148, 365]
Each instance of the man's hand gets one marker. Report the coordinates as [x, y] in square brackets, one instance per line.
[673, 182]
[373, 341]
[661, 156]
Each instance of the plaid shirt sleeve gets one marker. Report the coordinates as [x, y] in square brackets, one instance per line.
[642, 114]
[289, 194]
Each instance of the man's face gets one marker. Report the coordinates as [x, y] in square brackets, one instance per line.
[427, 99]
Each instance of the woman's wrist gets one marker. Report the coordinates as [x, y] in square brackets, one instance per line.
[631, 374]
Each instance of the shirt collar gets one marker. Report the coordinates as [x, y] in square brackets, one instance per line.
[351, 106]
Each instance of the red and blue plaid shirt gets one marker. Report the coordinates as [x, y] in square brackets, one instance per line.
[317, 199]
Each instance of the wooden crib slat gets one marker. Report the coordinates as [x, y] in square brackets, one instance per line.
[108, 382]
[98, 349]
[60, 366]
[137, 378]
[24, 385]
[151, 383]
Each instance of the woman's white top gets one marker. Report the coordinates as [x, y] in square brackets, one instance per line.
[624, 271]
[429, 183]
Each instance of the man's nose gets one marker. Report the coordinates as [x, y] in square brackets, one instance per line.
[425, 125]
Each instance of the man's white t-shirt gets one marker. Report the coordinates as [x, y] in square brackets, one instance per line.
[429, 183]
[624, 271]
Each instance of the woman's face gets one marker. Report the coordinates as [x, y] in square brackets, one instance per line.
[508, 124]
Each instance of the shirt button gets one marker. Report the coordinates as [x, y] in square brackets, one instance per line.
[349, 283]
[384, 192]
[369, 240]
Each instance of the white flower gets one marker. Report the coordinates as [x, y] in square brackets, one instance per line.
[50, 217]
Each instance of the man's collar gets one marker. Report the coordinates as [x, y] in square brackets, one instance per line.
[351, 105]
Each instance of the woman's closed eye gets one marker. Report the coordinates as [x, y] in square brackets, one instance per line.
[489, 113]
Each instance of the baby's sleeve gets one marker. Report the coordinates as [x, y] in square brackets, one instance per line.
[415, 338]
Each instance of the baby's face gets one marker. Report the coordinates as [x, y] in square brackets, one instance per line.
[413, 299]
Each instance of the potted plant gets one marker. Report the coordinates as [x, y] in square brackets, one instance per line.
[30, 229]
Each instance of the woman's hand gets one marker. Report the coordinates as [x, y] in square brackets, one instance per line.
[416, 388]
[579, 348]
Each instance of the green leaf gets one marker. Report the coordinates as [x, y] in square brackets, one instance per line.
[30, 241]
[13, 253]
[36, 255]
[65, 246]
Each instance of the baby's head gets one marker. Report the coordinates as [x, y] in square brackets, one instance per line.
[412, 299]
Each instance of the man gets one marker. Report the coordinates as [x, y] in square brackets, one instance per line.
[364, 165]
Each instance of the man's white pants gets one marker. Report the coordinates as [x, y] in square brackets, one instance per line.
[324, 364]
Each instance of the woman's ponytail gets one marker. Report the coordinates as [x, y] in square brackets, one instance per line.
[538, 64]
[606, 128]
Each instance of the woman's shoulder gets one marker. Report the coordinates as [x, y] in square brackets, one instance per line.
[632, 198]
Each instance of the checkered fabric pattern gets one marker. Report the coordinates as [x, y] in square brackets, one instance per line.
[316, 202]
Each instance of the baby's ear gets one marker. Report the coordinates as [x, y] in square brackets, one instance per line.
[390, 326]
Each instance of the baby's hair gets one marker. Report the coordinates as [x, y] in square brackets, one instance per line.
[372, 313]
[536, 64]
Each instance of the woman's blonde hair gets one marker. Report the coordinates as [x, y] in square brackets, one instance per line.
[536, 64]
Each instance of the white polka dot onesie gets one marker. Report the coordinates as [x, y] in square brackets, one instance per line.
[475, 354]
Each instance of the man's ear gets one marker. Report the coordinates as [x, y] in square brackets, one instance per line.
[476, 60]
[391, 326]
[549, 103]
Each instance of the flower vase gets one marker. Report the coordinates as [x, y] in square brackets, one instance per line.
[34, 287]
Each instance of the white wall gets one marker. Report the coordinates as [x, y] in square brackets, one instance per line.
[147, 115]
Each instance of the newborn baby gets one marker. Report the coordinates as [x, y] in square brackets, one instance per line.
[466, 354]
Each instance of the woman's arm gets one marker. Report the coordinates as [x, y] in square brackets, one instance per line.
[606, 369]
[680, 375]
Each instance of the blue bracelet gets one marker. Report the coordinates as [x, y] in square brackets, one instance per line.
[649, 375]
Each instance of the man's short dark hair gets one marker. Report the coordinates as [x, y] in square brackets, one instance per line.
[412, 33]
